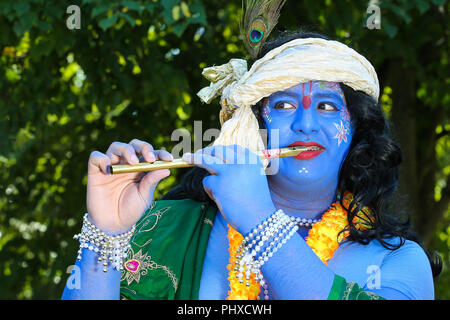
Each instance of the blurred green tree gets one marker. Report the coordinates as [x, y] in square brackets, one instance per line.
[132, 70]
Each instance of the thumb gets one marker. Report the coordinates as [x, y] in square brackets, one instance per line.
[148, 183]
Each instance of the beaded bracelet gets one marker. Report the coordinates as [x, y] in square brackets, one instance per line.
[272, 224]
[246, 252]
[281, 228]
[110, 248]
[278, 241]
[270, 250]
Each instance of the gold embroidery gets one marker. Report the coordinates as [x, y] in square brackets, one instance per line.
[126, 288]
[373, 296]
[146, 224]
[347, 290]
[143, 259]
[145, 264]
[208, 221]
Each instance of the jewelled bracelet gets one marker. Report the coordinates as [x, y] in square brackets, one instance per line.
[111, 249]
[279, 229]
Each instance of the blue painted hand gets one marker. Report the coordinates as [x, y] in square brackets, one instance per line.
[237, 184]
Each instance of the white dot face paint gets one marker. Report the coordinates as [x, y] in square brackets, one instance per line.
[266, 111]
[303, 170]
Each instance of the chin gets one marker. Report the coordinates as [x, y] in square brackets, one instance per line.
[302, 175]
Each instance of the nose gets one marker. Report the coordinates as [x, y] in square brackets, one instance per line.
[306, 121]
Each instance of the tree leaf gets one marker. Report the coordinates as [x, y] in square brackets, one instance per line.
[423, 6]
[390, 29]
[127, 17]
[185, 9]
[150, 7]
[18, 28]
[100, 10]
[44, 25]
[167, 12]
[179, 28]
[21, 7]
[439, 2]
[198, 13]
[108, 22]
[27, 20]
[133, 5]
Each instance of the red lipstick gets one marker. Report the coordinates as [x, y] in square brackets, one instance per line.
[316, 149]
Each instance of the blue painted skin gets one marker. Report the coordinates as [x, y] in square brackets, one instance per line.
[306, 188]
[303, 188]
[314, 111]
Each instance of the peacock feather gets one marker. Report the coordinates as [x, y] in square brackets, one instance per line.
[260, 17]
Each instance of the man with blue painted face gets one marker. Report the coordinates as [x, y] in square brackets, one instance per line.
[180, 248]
[318, 227]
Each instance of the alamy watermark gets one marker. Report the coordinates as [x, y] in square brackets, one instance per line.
[73, 21]
[374, 279]
[74, 280]
[227, 155]
[374, 18]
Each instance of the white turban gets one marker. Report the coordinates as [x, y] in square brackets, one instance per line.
[297, 61]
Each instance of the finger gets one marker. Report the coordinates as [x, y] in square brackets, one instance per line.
[99, 162]
[231, 154]
[145, 149]
[122, 151]
[219, 151]
[239, 149]
[164, 155]
[203, 160]
[148, 183]
[245, 155]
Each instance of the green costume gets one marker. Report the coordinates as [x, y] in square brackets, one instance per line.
[167, 251]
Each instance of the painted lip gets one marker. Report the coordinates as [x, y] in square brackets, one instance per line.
[308, 154]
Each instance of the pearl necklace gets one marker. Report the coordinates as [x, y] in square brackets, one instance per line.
[302, 222]
[322, 239]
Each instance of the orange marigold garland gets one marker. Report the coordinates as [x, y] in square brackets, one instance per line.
[239, 291]
[322, 239]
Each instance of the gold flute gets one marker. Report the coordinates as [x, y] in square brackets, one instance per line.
[178, 163]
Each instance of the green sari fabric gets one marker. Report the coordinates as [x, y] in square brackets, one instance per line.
[343, 290]
[167, 252]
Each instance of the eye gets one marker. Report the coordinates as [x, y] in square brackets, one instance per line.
[327, 107]
[284, 106]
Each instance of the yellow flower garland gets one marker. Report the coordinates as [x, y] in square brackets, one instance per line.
[322, 239]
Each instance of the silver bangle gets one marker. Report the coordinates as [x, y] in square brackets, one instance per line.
[111, 249]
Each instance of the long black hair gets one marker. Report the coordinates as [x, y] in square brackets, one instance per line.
[370, 170]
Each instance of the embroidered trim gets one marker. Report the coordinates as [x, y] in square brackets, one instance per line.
[208, 221]
[142, 261]
[122, 297]
[143, 225]
[358, 293]
[348, 290]
[145, 264]
[371, 295]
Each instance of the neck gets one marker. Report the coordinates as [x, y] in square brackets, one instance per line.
[309, 204]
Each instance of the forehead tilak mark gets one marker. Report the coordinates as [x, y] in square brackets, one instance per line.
[306, 100]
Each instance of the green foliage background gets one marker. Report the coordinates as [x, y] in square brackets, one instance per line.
[133, 71]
